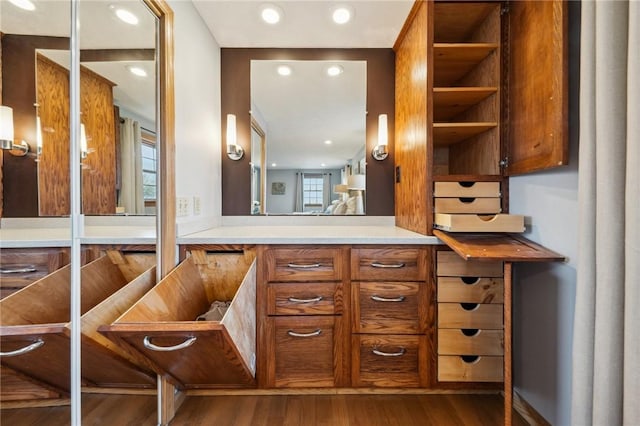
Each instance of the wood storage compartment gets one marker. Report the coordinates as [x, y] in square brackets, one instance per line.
[35, 329]
[191, 353]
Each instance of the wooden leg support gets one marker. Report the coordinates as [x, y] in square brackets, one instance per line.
[169, 400]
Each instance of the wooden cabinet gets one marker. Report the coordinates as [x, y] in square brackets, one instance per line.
[21, 266]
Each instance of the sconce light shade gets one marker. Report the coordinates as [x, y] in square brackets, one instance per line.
[38, 136]
[6, 133]
[234, 151]
[380, 151]
[84, 150]
[358, 182]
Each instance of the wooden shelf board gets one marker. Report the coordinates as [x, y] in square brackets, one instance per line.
[452, 61]
[445, 134]
[451, 101]
[497, 246]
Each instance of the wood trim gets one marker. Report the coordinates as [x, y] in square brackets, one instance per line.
[107, 55]
[407, 24]
[530, 414]
[508, 339]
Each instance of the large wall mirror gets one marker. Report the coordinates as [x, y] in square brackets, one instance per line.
[118, 91]
[283, 123]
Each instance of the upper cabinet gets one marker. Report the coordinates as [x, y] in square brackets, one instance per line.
[481, 94]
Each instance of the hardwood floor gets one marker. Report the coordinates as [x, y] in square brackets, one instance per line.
[278, 410]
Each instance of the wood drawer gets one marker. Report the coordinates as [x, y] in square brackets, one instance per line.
[470, 342]
[21, 267]
[470, 369]
[303, 264]
[467, 205]
[466, 189]
[479, 223]
[305, 351]
[450, 264]
[389, 264]
[472, 315]
[304, 298]
[470, 290]
[389, 307]
[389, 360]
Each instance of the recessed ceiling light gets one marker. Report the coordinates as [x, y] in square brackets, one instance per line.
[273, 164]
[271, 14]
[323, 165]
[140, 72]
[23, 4]
[328, 142]
[284, 70]
[341, 15]
[126, 16]
[335, 70]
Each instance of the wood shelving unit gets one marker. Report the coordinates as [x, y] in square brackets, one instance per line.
[445, 134]
[451, 101]
[452, 61]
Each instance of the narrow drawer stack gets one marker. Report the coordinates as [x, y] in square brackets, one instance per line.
[389, 316]
[462, 206]
[470, 319]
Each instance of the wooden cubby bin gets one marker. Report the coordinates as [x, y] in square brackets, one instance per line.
[194, 354]
[466, 88]
[35, 326]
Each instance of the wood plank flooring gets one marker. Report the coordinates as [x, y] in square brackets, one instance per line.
[277, 410]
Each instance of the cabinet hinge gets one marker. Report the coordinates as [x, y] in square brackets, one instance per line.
[504, 163]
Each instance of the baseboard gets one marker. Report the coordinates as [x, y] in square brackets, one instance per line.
[527, 412]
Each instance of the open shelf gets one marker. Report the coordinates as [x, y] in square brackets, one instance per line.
[451, 101]
[451, 25]
[445, 134]
[452, 61]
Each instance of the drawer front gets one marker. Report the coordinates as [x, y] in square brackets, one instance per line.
[389, 264]
[449, 264]
[305, 351]
[389, 360]
[470, 369]
[304, 264]
[458, 315]
[304, 298]
[470, 342]
[470, 290]
[467, 205]
[389, 307]
[19, 267]
[467, 189]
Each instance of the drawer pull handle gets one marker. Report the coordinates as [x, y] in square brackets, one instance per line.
[303, 265]
[381, 353]
[312, 300]
[26, 349]
[387, 265]
[147, 344]
[387, 299]
[18, 270]
[312, 334]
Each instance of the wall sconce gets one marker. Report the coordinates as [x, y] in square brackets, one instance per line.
[6, 133]
[38, 137]
[234, 151]
[84, 150]
[380, 151]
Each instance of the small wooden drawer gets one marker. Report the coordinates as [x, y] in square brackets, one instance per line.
[470, 290]
[21, 267]
[467, 189]
[467, 205]
[389, 307]
[449, 264]
[305, 351]
[470, 368]
[389, 264]
[470, 315]
[479, 223]
[303, 264]
[470, 342]
[304, 298]
[389, 360]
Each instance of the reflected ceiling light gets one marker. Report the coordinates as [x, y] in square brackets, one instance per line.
[335, 70]
[273, 164]
[126, 16]
[284, 70]
[23, 4]
[323, 165]
[342, 15]
[271, 14]
[140, 72]
[328, 142]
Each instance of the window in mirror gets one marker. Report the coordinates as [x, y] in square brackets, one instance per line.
[149, 171]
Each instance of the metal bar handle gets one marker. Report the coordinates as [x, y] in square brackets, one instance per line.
[147, 344]
[18, 270]
[303, 265]
[26, 349]
[387, 299]
[312, 334]
[387, 265]
[381, 353]
[312, 300]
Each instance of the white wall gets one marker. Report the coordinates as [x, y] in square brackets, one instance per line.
[197, 102]
[544, 294]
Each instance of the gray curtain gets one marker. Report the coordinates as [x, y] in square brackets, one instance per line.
[299, 202]
[606, 346]
[326, 190]
[131, 191]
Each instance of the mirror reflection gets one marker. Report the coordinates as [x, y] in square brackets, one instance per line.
[313, 117]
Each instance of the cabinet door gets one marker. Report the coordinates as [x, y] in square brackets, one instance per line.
[538, 86]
